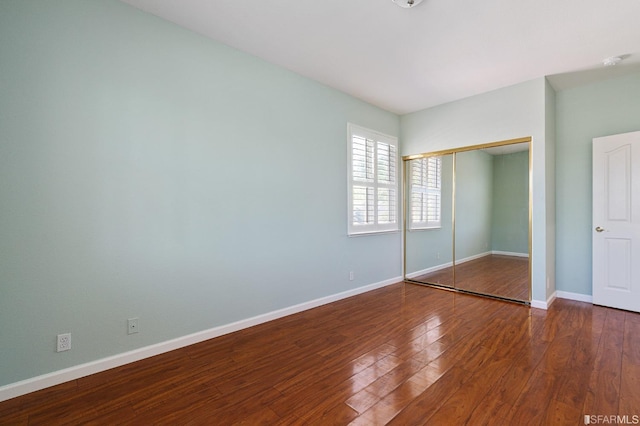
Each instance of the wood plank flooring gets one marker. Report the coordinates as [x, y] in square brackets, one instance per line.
[498, 275]
[401, 355]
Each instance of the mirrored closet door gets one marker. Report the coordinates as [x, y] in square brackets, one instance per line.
[467, 224]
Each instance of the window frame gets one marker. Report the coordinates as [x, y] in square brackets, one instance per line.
[376, 227]
[425, 190]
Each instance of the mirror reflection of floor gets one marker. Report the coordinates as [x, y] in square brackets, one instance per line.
[498, 275]
[442, 277]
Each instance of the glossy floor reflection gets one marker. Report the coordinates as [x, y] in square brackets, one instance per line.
[404, 354]
[497, 275]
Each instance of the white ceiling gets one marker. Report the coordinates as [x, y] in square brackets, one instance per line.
[405, 60]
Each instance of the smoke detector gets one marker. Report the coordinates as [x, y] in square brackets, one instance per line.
[407, 4]
[613, 60]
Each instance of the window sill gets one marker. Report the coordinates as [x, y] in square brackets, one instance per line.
[365, 233]
[430, 228]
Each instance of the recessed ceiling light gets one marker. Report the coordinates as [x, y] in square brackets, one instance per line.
[407, 3]
[613, 60]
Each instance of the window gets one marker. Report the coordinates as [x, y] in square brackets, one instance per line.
[426, 193]
[373, 183]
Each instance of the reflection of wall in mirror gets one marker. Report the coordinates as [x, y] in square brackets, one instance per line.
[492, 204]
[510, 229]
[474, 199]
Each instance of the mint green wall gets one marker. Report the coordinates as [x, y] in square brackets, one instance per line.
[474, 199]
[510, 210]
[128, 147]
[583, 113]
[550, 173]
[427, 248]
[146, 171]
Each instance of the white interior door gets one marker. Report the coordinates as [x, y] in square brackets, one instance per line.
[616, 221]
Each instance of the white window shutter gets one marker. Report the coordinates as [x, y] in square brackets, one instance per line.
[426, 193]
[373, 182]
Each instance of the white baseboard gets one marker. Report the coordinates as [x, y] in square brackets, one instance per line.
[72, 373]
[574, 296]
[489, 253]
[540, 304]
[561, 295]
[429, 270]
[510, 253]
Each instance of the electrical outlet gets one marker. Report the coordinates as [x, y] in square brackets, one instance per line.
[352, 275]
[132, 325]
[64, 342]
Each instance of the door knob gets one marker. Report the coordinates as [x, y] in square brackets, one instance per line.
[598, 229]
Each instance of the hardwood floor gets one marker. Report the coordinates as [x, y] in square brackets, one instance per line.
[401, 355]
[498, 275]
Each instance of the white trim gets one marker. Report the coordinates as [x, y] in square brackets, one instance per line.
[574, 296]
[370, 134]
[510, 253]
[423, 228]
[539, 304]
[544, 305]
[429, 270]
[376, 227]
[362, 234]
[23, 387]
